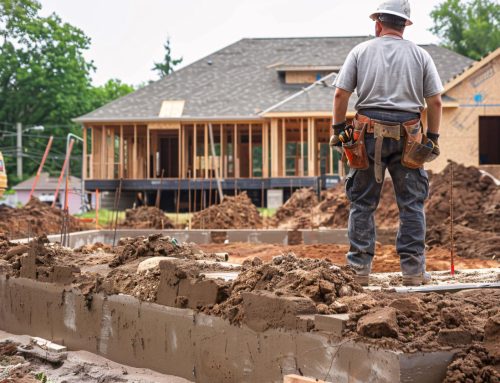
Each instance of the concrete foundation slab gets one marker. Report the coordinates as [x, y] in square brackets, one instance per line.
[196, 346]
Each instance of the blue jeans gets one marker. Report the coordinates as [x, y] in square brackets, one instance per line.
[411, 187]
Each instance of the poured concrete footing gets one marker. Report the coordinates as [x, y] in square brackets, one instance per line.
[196, 346]
[271, 236]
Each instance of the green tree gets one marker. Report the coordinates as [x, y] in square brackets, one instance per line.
[166, 67]
[110, 91]
[471, 28]
[44, 80]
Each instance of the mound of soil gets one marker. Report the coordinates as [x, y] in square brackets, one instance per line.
[130, 249]
[423, 322]
[34, 219]
[286, 275]
[303, 210]
[474, 364]
[476, 210]
[39, 259]
[232, 213]
[146, 217]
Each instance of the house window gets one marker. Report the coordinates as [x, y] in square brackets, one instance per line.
[489, 140]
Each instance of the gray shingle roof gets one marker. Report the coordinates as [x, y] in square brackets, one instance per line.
[241, 80]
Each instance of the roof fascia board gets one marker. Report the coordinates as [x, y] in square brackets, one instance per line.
[142, 120]
[473, 68]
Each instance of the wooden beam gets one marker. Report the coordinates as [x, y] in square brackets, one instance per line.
[265, 150]
[102, 154]
[222, 151]
[195, 149]
[235, 152]
[148, 152]
[206, 151]
[301, 172]
[121, 153]
[84, 164]
[283, 147]
[92, 150]
[274, 148]
[250, 152]
[134, 154]
[179, 154]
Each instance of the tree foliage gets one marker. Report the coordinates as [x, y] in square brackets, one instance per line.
[471, 28]
[168, 64]
[44, 80]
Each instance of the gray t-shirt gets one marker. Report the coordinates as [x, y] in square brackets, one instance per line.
[390, 73]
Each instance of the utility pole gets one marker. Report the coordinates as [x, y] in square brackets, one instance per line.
[19, 150]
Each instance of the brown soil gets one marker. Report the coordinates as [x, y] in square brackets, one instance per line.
[288, 275]
[476, 211]
[146, 217]
[386, 258]
[34, 219]
[424, 321]
[233, 213]
[130, 249]
[474, 364]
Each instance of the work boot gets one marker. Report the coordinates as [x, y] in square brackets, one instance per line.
[417, 280]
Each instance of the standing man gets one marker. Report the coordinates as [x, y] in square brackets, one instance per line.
[392, 78]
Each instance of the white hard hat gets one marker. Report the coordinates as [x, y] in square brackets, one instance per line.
[399, 8]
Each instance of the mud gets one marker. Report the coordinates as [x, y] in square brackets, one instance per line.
[146, 217]
[34, 219]
[474, 364]
[386, 258]
[78, 367]
[287, 275]
[424, 322]
[130, 249]
[233, 213]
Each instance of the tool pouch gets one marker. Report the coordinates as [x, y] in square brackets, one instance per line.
[418, 147]
[356, 152]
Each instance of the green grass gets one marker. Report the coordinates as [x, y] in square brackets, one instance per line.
[181, 218]
[267, 212]
[105, 216]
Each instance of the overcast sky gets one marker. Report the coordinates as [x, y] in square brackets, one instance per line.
[128, 35]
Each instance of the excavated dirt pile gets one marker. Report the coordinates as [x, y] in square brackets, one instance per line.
[468, 321]
[146, 217]
[130, 249]
[34, 219]
[40, 259]
[233, 213]
[476, 209]
[316, 283]
[303, 210]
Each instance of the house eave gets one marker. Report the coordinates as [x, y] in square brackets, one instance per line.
[82, 120]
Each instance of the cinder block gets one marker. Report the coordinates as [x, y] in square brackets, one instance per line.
[334, 324]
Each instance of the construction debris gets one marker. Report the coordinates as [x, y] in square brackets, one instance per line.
[232, 213]
[146, 217]
[34, 219]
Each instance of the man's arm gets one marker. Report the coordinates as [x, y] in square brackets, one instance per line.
[340, 102]
[434, 112]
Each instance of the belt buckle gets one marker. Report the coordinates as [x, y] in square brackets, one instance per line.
[389, 131]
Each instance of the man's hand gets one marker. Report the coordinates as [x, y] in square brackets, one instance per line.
[434, 137]
[337, 130]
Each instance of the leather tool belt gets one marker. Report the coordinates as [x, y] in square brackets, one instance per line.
[415, 150]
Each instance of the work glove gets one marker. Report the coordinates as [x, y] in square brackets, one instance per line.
[434, 137]
[339, 133]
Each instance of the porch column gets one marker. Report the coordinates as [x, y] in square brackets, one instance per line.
[84, 151]
[102, 155]
[134, 154]
[301, 147]
[121, 151]
[206, 150]
[148, 153]
[274, 148]
[195, 149]
[250, 152]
